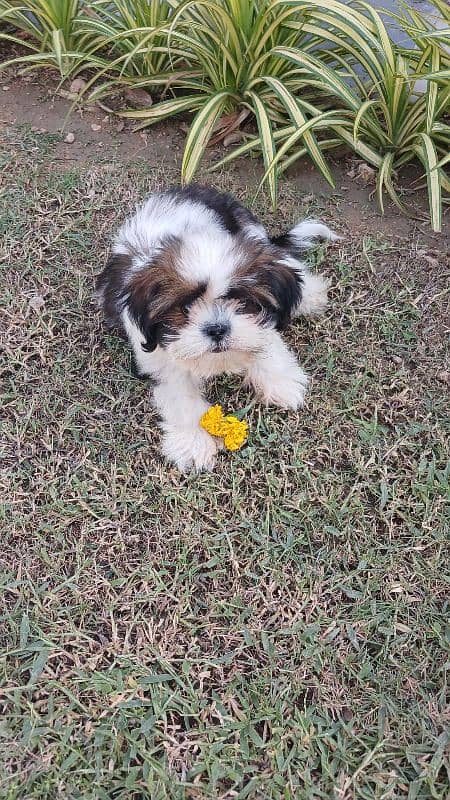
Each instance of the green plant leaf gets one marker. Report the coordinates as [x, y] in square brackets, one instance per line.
[267, 144]
[299, 120]
[200, 132]
[427, 154]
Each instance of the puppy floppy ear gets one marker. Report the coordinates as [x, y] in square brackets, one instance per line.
[270, 288]
[152, 337]
[141, 302]
[154, 294]
[284, 285]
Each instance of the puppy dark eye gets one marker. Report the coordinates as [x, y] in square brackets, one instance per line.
[186, 307]
[250, 307]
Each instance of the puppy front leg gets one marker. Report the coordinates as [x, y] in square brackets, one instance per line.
[179, 400]
[276, 375]
[314, 300]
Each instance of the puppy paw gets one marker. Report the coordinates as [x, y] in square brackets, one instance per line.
[314, 300]
[190, 449]
[287, 392]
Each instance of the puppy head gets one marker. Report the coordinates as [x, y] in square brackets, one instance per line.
[203, 296]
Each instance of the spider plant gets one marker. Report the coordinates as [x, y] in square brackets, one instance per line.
[128, 44]
[425, 30]
[132, 36]
[399, 120]
[233, 45]
[50, 31]
[382, 119]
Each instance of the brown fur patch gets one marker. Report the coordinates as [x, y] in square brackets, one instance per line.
[109, 287]
[263, 282]
[160, 286]
[159, 295]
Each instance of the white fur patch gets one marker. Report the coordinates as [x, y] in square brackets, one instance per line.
[314, 295]
[304, 233]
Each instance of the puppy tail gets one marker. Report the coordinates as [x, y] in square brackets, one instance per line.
[304, 236]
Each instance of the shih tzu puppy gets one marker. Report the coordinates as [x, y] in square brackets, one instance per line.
[198, 287]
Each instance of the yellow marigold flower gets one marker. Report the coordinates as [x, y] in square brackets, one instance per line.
[236, 434]
[233, 431]
[212, 420]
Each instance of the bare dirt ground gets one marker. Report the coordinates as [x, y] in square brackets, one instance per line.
[98, 135]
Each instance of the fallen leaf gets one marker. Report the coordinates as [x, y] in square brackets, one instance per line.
[433, 262]
[36, 302]
[225, 121]
[227, 124]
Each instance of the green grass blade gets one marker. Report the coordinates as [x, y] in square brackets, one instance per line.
[253, 144]
[382, 34]
[325, 144]
[361, 113]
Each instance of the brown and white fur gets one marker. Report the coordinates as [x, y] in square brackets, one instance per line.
[198, 288]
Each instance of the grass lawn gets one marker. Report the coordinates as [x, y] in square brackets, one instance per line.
[277, 629]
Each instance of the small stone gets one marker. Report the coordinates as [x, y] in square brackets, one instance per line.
[77, 85]
[233, 138]
[70, 138]
[96, 127]
[6, 88]
[366, 173]
[139, 97]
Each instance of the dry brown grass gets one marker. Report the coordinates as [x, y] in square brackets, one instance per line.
[276, 629]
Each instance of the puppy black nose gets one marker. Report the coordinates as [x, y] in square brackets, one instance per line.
[217, 331]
